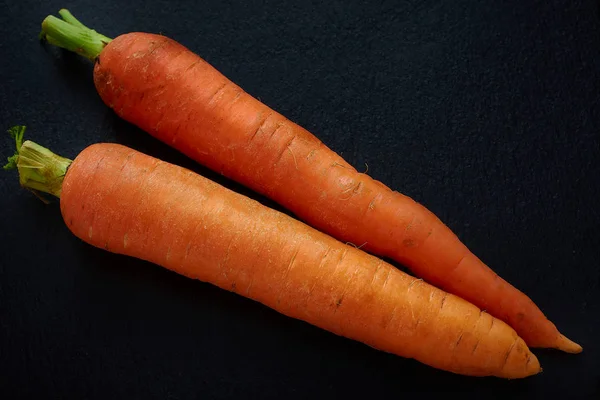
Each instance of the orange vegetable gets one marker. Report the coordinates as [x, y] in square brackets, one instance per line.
[173, 94]
[126, 202]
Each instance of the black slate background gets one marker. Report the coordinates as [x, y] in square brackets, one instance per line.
[486, 112]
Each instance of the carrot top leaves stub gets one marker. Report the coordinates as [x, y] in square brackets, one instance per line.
[16, 132]
[69, 33]
[39, 168]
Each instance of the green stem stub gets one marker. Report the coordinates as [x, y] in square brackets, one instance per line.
[39, 168]
[69, 33]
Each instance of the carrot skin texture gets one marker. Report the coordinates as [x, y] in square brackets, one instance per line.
[129, 203]
[176, 96]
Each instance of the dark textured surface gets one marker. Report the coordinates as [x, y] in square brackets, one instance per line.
[486, 112]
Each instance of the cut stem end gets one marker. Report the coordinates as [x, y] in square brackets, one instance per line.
[39, 168]
[70, 34]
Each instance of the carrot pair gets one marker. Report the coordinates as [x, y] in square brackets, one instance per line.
[126, 202]
[164, 88]
[176, 96]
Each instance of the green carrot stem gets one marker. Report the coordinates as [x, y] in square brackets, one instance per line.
[39, 168]
[70, 18]
[69, 33]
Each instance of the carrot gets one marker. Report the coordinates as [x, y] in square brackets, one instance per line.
[164, 88]
[126, 202]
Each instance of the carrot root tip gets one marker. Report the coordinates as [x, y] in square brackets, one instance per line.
[567, 345]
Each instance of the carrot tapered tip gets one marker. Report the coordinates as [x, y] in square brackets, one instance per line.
[520, 362]
[533, 366]
[567, 345]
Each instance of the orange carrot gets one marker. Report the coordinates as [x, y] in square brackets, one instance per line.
[126, 202]
[170, 92]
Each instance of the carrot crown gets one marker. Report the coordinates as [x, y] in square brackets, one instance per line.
[69, 33]
[39, 168]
